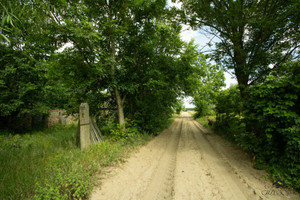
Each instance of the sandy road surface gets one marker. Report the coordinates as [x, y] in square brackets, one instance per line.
[187, 162]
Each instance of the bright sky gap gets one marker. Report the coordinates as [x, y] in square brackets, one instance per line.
[201, 38]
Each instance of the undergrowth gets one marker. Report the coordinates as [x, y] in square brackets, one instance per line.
[203, 121]
[232, 128]
[48, 165]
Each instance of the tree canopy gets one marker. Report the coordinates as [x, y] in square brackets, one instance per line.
[255, 37]
[125, 56]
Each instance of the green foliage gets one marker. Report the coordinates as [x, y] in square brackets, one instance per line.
[210, 80]
[273, 116]
[21, 85]
[7, 22]
[229, 122]
[124, 55]
[205, 121]
[203, 107]
[162, 82]
[153, 117]
[130, 133]
[269, 126]
[252, 34]
[117, 61]
[48, 165]
[23, 52]
[179, 106]
[233, 128]
[73, 185]
[229, 101]
[24, 159]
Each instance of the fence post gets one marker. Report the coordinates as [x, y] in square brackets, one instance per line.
[84, 116]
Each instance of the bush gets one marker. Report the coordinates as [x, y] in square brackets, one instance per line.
[132, 130]
[233, 129]
[202, 108]
[70, 185]
[207, 121]
[229, 121]
[229, 101]
[272, 115]
[269, 127]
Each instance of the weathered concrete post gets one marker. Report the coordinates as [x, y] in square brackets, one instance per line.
[84, 126]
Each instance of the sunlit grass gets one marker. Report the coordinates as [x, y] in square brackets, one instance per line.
[40, 164]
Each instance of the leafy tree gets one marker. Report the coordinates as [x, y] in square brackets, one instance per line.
[229, 101]
[7, 22]
[179, 106]
[172, 77]
[161, 76]
[255, 37]
[24, 49]
[116, 55]
[256, 40]
[210, 80]
[126, 52]
[21, 86]
[101, 43]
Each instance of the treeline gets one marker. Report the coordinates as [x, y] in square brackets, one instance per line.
[125, 58]
[259, 45]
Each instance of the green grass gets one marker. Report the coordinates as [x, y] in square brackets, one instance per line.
[47, 164]
[204, 121]
[191, 112]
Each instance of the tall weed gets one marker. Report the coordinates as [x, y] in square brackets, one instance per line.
[48, 165]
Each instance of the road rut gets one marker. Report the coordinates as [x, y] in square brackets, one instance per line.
[186, 162]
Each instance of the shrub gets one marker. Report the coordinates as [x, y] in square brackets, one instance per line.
[272, 115]
[70, 185]
[229, 121]
[233, 128]
[269, 127]
[229, 101]
[132, 130]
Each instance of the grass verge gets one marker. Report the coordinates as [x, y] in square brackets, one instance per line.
[47, 164]
[205, 121]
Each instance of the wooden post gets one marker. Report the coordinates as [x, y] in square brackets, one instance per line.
[84, 126]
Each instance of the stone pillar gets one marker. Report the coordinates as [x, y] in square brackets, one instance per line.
[84, 116]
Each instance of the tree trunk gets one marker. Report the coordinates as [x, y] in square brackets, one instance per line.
[241, 70]
[119, 100]
[120, 103]
[243, 87]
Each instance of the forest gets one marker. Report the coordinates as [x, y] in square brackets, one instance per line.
[127, 60]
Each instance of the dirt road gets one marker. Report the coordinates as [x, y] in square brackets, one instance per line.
[187, 162]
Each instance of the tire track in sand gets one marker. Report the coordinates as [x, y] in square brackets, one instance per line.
[193, 178]
[162, 184]
[226, 181]
[147, 174]
[252, 182]
[185, 162]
